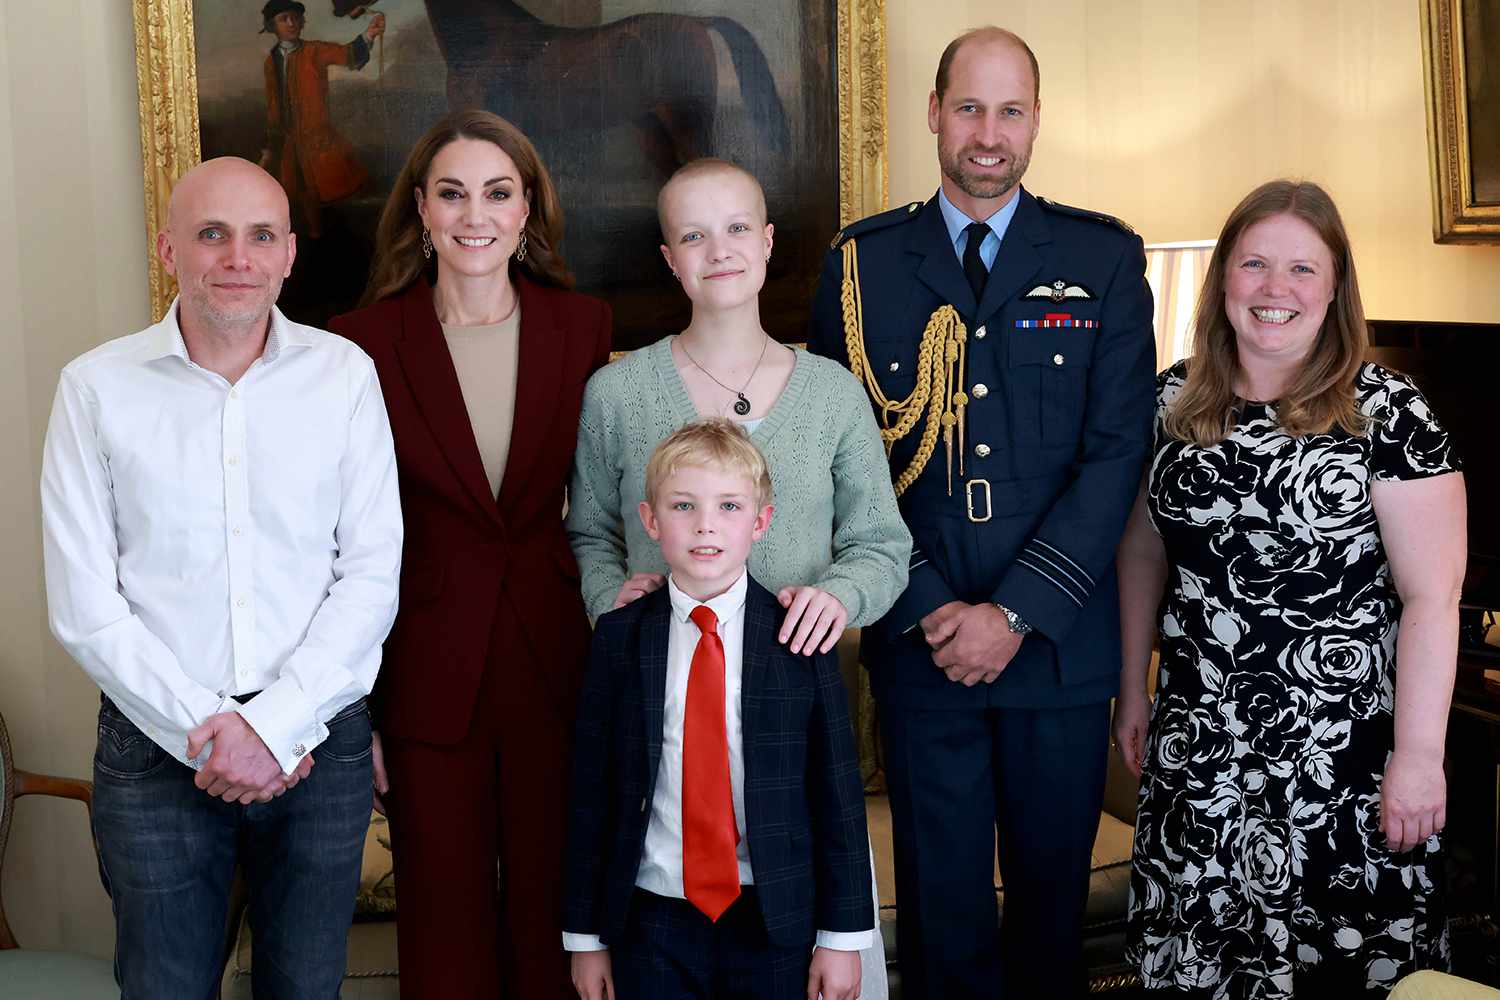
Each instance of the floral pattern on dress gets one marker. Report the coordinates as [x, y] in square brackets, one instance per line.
[1259, 865]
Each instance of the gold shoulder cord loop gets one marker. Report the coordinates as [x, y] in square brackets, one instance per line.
[939, 388]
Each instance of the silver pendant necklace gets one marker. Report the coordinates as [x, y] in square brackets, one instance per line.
[741, 404]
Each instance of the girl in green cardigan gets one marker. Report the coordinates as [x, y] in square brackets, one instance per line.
[837, 550]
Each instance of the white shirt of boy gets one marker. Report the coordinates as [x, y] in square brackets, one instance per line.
[660, 871]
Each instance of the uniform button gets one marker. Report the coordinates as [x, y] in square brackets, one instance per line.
[981, 390]
[1057, 359]
[982, 450]
[979, 333]
[895, 366]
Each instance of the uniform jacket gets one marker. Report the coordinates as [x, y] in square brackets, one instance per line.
[301, 137]
[1059, 376]
[804, 805]
[470, 556]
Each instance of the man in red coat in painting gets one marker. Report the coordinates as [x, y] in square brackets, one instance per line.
[314, 163]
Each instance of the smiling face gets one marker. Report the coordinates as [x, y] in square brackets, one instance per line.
[705, 520]
[986, 123]
[474, 206]
[717, 237]
[228, 242]
[1278, 283]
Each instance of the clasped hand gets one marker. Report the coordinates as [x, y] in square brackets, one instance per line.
[970, 642]
[241, 767]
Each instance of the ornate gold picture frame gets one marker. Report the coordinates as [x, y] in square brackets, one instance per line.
[1461, 59]
[171, 129]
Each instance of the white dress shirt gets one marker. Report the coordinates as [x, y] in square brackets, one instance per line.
[204, 540]
[660, 871]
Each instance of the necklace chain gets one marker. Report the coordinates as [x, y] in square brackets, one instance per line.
[741, 403]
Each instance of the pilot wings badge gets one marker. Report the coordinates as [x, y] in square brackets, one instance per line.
[1060, 291]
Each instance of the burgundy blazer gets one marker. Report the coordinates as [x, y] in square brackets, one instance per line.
[486, 582]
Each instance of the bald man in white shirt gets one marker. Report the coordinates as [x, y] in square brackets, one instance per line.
[222, 535]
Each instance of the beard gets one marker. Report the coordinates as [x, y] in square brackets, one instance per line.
[221, 314]
[976, 185]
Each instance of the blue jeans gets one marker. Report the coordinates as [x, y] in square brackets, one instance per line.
[168, 851]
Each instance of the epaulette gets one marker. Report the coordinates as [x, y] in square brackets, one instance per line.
[870, 223]
[1083, 213]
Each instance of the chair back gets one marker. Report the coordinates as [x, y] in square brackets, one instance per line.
[7, 797]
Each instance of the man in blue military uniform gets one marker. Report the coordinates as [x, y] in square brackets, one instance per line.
[1006, 343]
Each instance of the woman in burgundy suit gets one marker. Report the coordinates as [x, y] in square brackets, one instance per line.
[482, 354]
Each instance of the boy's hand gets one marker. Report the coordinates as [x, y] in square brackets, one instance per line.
[817, 616]
[638, 586]
[834, 975]
[591, 975]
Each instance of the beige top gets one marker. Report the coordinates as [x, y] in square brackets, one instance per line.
[485, 358]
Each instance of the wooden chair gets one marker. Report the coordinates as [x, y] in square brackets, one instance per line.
[35, 975]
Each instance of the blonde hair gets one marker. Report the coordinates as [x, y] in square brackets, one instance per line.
[705, 165]
[399, 262]
[1322, 394]
[711, 443]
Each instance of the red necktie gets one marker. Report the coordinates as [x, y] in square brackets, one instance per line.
[710, 871]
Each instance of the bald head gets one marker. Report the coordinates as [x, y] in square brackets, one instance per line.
[223, 179]
[989, 36]
[708, 168]
[228, 241]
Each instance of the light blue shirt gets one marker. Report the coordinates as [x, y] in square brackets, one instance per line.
[957, 222]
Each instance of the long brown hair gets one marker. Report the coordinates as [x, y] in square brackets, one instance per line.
[398, 241]
[1322, 395]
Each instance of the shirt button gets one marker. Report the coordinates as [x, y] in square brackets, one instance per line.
[241, 602]
[979, 333]
[1057, 359]
[234, 394]
[233, 460]
[238, 532]
[895, 366]
[982, 450]
[981, 390]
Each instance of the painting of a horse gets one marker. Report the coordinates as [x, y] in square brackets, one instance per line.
[658, 72]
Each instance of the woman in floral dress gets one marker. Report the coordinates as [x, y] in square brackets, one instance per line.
[1301, 533]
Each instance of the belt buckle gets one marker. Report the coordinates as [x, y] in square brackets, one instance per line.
[969, 492]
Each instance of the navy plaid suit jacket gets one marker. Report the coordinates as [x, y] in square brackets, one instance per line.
[804, 804]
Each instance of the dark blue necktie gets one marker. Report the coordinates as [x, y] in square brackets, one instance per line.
[974, 268]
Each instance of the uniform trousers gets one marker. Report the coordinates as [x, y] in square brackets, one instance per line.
[497, 795]
[1028, 783]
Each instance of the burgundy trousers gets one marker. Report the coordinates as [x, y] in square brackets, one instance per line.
[500, 793]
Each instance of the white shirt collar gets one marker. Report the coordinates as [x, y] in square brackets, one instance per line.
[166, 336]
[724, 607]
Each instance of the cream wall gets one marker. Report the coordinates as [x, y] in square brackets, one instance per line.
[1166, 112]
[1160, 111]
[72, 274]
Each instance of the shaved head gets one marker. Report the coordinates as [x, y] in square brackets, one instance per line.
[708, 166]
[229, 244]
[225, 175]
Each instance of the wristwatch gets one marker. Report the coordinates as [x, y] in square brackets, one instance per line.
[1018, 625]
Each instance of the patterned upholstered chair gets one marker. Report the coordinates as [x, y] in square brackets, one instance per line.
[35, 975]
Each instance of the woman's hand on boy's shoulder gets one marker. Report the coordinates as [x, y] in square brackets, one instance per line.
[591, 975]
[834, 975]
[815, 620]
[638, 586]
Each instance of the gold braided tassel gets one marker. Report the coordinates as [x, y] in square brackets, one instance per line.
[938, 390]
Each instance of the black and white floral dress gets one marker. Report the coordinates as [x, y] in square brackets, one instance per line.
[1260, 867]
